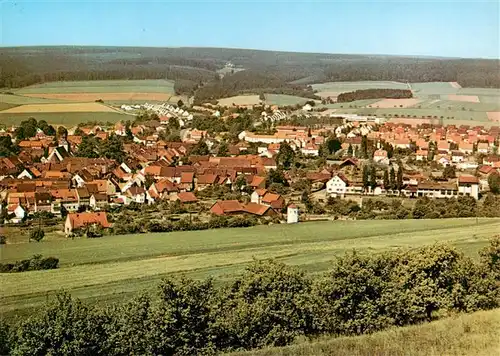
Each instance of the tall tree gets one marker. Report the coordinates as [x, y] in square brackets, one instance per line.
[392, 179]
[386, 179]
[366, 176]
[399, 178]
[364, 147]
[494, 182]
[62, 132]
[201, 148]
[373, 177]
[350, 151]
[285, 156]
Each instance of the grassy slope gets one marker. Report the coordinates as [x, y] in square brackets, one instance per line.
[115, 267]
[102, 86]
[473, 334]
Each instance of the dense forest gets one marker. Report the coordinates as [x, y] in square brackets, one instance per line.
[374, 94]
[195, 69]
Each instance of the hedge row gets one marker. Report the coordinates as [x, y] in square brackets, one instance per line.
[32, 264]
[271, 304]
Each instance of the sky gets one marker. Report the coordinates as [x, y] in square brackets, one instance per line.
[396, 27]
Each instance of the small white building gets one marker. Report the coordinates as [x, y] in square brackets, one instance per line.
[292, 214]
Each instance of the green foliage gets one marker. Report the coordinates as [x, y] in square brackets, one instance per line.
[366, 177]
[494, 182]
[285, 156]
[34, 263]
[373, 177]
[200, 148]
[7, 148]
[374, 94]
[449, 172]
[3, 240]
[269, 305]
[37, 234]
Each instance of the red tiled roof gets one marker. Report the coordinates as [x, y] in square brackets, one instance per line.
[78, 220]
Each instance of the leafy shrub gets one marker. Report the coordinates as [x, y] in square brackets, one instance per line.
[35, 263]
[37, 234]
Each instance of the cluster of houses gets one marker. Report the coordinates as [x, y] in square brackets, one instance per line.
[166, 111]
[46, 176]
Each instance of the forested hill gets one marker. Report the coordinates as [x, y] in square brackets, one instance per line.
[192, 67]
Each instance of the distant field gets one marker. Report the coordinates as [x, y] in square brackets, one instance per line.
[395, 103]
[57, 108]
[283, 100]
[86, 97]
[63, 118]
[101, 86]
[115, 267]
[342, 87]
[22, 100]
[240, 100]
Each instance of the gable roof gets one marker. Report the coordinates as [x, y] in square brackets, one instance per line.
[78, 220]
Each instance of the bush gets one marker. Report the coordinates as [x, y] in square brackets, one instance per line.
[35, 263]
[37, 234]
[3, 240]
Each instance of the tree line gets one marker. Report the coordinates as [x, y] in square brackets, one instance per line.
[270, 304]
[374, 94]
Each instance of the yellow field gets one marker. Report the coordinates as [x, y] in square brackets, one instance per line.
[49, 108]
[103, 96]
[240, 100]
[391, 103]
[467, 98]
[494, 116]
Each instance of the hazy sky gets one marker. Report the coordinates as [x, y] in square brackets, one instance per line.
[446, 28]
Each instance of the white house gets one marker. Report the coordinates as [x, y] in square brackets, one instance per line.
[307, 107]
[310, 149]
[457, 157]
[292, 214]
[337, 186]
[468, 185]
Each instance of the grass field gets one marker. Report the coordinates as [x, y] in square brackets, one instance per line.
[474, 334]
[342, 87]
[102, 86]
[281, 99]
[116, 267]
[64, 118]
[240, 100]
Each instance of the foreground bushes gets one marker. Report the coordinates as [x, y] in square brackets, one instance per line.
[32, 264]
[271, 304]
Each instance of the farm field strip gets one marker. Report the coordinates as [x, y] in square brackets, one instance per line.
[79, 276]
[466, 98]
[352, 86]
[101, 86]
[50, 108]
[282, 99]
[239, 100]
[92, 96]
[88, 251]
[391, 103]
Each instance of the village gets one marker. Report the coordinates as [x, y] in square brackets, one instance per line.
[282, 175]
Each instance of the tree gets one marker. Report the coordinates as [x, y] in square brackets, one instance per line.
[223, 149]
[201, 148]
[112, 148]
[7, 148]
[173, 124]
[333, 145]
[364, 147]
[37, 234]
[366, 176]
[386, 179]
[306, 199]
[350, 151]
[89, 147]
[399, 178]
[180, 103]
[373, 177]
[285, 156]
[62, 132]
[392, 179]
[494, 183]
[262, 97]
[449, 172]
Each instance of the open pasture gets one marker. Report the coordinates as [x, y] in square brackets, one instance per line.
[50, 108]
[115, 267]
[89, 97]
[342, 87]
[101, 86]
[240, 100]
[494, 116]
[284, 100]
[395, 103]
[466, 98]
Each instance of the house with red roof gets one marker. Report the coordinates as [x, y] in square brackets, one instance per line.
[75, 221]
